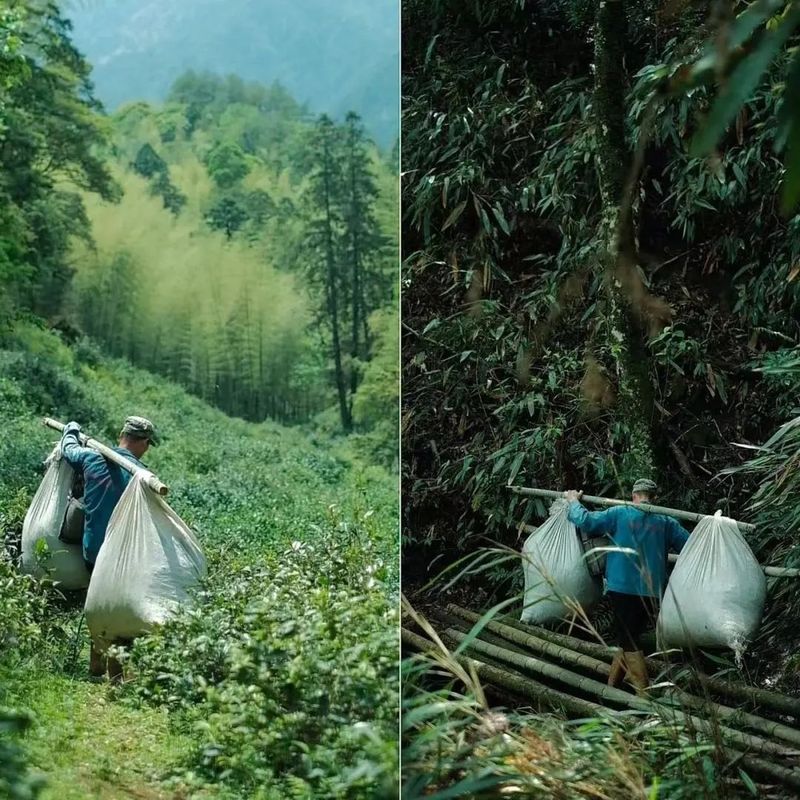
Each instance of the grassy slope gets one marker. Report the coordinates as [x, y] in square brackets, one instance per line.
[250, 490]
[88, 745]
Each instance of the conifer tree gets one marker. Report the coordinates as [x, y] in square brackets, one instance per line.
[325, 273]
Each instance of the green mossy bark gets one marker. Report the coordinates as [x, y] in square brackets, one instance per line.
[617, 331]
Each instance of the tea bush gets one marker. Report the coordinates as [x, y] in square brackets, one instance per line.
[284, 672]
[15, 783]
[288, 675]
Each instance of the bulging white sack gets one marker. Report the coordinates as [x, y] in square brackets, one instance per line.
[53, 559]
[715, 595]
[556, 573]
[145, 569]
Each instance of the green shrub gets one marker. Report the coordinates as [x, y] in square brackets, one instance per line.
[15, 782]
[287, 674]
[23, 605]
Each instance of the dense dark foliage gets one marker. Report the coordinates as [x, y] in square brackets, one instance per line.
[509, 369]
[589, 296]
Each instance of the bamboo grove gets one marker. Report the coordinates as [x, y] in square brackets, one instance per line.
[585, 298]
[225, 238]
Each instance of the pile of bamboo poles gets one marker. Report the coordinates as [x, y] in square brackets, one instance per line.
[569, 675]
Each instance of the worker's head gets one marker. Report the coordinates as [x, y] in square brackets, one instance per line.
[137, 435]
[644, 491]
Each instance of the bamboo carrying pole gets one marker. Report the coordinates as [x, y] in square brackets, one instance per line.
[734, 715]
[525, 687]
[770, 572]
[689, 516]
[151, 480]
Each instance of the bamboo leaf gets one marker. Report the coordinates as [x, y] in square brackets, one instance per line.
[500, 217]
[740, 86]
[515, 465]
[748, 782]
[454, 215]
[429, 51]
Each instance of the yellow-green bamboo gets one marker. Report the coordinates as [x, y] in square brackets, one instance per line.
[734, 715]
[618, 696]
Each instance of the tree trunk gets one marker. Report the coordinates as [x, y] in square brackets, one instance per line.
[356, 268]
[619, 336]
[332, 292]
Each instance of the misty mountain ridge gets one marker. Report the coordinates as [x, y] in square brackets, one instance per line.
[334, 57]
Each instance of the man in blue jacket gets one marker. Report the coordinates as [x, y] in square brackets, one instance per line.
[636, 573]
[104, 483]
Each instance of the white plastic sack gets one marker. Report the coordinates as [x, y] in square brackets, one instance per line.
[145, 568]
[62, 563]
[715, 596]
[556, 573]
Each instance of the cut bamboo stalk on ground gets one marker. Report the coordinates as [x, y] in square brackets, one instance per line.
[527, 640]
[520, 685]
[620, 697]
[148, 477]
[688, 516]
[448, 620]
[524, 687]
[734, 716]
[775, 701]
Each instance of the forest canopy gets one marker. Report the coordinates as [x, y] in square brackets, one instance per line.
[586, 300]
[179, 235]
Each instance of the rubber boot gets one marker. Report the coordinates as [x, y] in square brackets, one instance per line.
[636, 669]
[97, 663]
[115, 674]
[617, 673]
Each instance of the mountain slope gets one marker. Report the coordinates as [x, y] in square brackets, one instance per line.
[333, 56]
[301, 541]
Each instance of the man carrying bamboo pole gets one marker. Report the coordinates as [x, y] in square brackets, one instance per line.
[104, 483]
[636, 573]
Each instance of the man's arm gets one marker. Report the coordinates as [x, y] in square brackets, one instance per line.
[591, 521]
[71, 448]
[678, 535]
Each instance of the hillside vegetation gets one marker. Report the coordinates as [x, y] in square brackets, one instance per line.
[301, 542]
[333, 57]
[589, 298]
[225, 266]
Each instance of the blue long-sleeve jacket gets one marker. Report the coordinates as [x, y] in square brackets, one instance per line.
[104, 483]
[651, 536]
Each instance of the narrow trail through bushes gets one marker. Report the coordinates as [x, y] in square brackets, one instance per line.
[87, 745]
[282, 679]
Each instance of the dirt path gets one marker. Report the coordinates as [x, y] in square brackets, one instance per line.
[89, 746]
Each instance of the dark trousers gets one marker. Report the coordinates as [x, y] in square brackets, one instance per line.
[633, 614]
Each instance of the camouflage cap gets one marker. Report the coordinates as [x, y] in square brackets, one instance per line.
[141, 428]
[644, 485]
